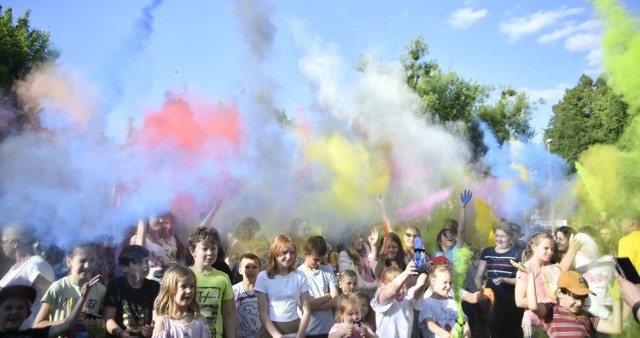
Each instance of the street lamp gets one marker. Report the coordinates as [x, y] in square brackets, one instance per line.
[551, 211]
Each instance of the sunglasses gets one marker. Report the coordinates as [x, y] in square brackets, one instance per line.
[406, 234]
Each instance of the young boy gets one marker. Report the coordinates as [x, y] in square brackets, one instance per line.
[323, 287]
[129, 302]
[348, 281]
[246, 299]
[215, 293]
[567, 319]
[15, 307]
[62, 295]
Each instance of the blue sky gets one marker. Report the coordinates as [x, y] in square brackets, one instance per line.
[132, 59]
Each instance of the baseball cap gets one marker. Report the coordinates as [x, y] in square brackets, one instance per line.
[574, 282]
[18, 291]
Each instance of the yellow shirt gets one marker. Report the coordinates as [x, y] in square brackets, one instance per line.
[629, 246]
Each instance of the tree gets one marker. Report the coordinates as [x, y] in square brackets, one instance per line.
[448, 98]
[21, 49]
[588, 113]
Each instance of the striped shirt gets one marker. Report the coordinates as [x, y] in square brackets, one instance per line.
[560, 322]
[498, 265]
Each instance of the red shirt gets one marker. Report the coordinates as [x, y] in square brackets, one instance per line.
[560, 322]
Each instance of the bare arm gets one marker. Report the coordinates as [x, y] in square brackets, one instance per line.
[306, 314]
[43, 317]
[211, 214]
[318, 303]
[421, 285]
[229, 318]
[613, 325]
[477, 279]
[532, 300]
[436, 329]
[141, 234]
[333, 299]
[158, 323]
[263, 314]
[386, 226]
[465, 197]
[391, 290]
[521, 293]
[67, 324]
[568, 259]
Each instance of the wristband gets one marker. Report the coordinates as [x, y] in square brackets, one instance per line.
[635, 308]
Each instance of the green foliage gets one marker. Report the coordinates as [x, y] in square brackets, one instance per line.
[589, 113]
[21, 47]
[448, 99]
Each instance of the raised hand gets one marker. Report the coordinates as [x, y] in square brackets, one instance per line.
[373, 237]
[465, 197]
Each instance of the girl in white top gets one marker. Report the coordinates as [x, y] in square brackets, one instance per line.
[394, 304]
[279, 288]
[177, 312]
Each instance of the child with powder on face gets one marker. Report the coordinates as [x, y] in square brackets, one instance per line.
[214, 290]
[349, 319]
[394, 304]
[129, 302]
[177, 312]
[439, 311]
[348, 281]
[58, 301]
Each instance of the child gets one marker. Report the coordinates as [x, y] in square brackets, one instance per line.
[439, 311]
[129, 302]
[566, 318]
[537, 258]
[15, 307]
[177, 312]
[323, 288]
[394, 305]
[246, 299]
[366, 312]
[348, 281]
[279, 288]
[215, 293]
[58, 301]
[348, 319]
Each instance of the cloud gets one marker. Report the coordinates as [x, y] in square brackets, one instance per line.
[549, 95]
[569, 29]
[582, 42]
[463, 18]
[514, 28]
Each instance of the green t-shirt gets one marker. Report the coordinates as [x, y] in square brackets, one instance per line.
[63, 295]
[212, 288]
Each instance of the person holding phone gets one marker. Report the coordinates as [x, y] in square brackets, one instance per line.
[630, 293]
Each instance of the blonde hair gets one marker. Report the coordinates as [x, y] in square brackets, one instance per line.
[165, 304]
[389, 274]
[346, 302]
[439, 268]
[279, 244]
[535, 239]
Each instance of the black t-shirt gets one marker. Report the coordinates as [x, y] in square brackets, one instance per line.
[28, 333]
[134, 307]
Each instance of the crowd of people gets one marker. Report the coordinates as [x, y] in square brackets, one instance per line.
[388, 282]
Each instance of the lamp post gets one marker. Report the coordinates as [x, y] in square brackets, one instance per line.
[551, 209]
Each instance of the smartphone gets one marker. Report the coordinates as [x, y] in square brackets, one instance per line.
[626, 269]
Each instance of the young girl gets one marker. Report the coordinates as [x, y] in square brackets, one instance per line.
[393, 304]
[537, 258]
[366, 312]
[348, 319]
[279, 288]
[394, 256]
[348, 281]
[62, 295]
[439, 312]
[357, 256]
[177, 312]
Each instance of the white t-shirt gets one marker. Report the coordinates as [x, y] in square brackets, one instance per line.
[320, 283]
[599, 273]
[247, 307]
[395, 320]
[26, 275]
[282, 294]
